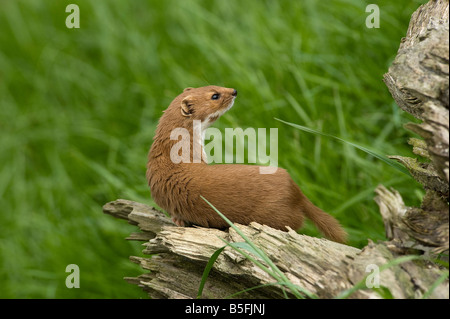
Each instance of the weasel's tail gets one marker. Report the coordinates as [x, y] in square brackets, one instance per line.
[326, 223]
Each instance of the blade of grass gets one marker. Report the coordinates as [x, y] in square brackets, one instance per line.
[383, 292]
[260, 265]
[439, 281]
[247, 247]
[383, 158]
[208, 267]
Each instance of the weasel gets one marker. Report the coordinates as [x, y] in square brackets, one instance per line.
[238, 191]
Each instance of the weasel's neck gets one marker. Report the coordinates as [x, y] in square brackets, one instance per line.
[197, 134]
[188, 136]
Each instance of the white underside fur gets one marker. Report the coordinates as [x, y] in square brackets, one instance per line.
[207, 122]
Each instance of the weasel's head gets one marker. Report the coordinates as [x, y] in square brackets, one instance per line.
[206, 103]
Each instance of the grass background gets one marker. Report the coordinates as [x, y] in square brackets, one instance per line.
[78, 110]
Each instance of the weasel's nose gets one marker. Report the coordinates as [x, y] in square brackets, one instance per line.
[234, 93]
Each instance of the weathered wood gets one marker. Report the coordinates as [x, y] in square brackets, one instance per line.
[418, 81]
[150, 224]
[414, 230]
[325, 268]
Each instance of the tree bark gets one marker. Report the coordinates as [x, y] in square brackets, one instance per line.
[418, 81]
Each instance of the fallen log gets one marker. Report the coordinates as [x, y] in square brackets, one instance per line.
[178, 257]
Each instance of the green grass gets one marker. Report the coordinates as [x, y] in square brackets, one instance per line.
[78, 110]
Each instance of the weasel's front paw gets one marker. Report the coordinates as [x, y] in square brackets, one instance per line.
[179, 222]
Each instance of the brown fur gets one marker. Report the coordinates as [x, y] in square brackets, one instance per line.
[240, 192]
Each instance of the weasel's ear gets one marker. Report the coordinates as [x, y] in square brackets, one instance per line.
[187, 89]
[187, 107]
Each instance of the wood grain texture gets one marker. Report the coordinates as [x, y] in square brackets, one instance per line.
[177, 257]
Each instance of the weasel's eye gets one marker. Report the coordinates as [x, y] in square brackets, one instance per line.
[215, 96]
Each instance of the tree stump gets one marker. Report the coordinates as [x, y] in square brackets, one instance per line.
[418, 81]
